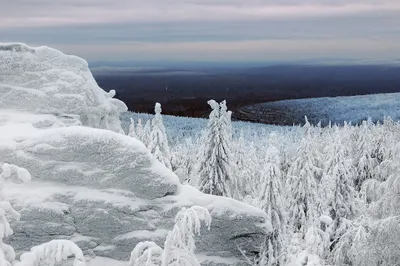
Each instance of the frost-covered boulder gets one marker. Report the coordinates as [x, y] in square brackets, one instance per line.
[44, 80]
[106, 192]
[95, 158]
[109, 223]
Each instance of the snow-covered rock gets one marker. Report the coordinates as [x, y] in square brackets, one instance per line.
[98, 188]
[106, 192]
[44, 80]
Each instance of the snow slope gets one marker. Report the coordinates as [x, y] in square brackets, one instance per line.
[336, 109]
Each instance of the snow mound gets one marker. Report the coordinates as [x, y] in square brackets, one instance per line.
[46, 81]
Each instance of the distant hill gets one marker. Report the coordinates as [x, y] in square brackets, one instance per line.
[184, 91]
[336, 109]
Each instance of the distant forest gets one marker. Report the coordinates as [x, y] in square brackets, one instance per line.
[184, 92]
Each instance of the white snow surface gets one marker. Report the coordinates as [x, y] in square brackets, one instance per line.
[101, 261]
[46, 81]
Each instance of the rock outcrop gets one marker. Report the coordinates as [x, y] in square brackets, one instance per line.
[96, 187]
[44, 80]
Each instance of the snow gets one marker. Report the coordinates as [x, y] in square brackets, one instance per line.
[41, 195]
[335, 109]
[78, 237]
[44, 80]
[203, 258]
[52, 252]
[144, 234]
[189, 195]
[326, 219]
[102, 261]
[105, 248]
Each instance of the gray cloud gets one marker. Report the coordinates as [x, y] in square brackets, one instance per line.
[109, 29]
[37, 13]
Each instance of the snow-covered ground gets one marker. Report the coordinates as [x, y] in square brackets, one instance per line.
[180, 128]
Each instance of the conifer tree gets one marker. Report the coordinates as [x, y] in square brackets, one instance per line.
[365, 162]
[271, 200]
[158, 139]
[337, 181]
[139, 130]
[132, 132]
[179, 245]
[146, 133]
[302, 184]
[215, 163]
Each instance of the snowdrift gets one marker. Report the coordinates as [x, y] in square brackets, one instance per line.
[90, 184]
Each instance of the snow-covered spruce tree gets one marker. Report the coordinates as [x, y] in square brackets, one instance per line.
[373, 239]
[302, 184]
[183, 160]
[7, 254]
[351, 248]
[132, 132]
[365, 162]
[146, 133]
[312, 250]
[51, 253]
[139, 130]
[226, 131]
[245, 164]
[226, 120]
[384, 150]
[215, 167]
[158, 139]
[179, 246]
[336, 186]
[271, 200]
[146, 254]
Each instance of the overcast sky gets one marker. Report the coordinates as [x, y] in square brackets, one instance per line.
[207, 30]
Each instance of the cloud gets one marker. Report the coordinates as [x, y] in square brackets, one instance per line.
[40, 13]
[256, 50]
[206, 29]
